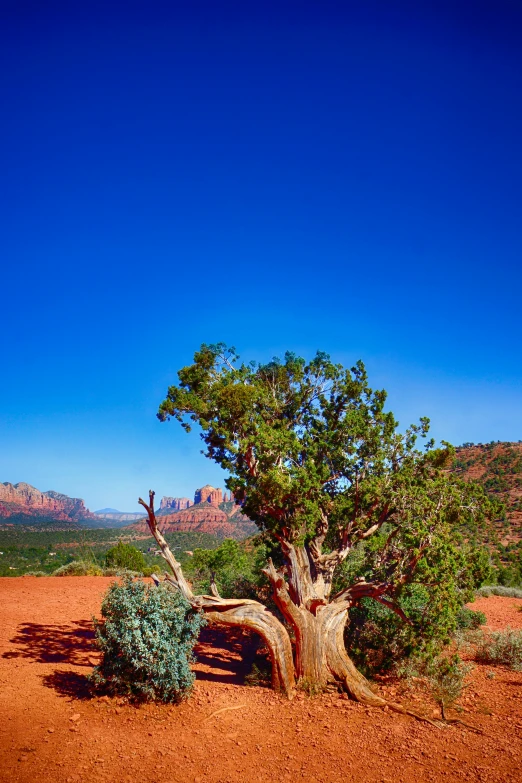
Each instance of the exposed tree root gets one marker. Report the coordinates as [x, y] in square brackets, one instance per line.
[457, 720]
[224, 709]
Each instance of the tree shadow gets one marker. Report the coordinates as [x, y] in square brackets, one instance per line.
[72, 643]
[70, 684]
[226, 656]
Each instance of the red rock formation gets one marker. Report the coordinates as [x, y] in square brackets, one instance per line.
[176, 504]
[204, 518]
[23, 499]
[208, 494]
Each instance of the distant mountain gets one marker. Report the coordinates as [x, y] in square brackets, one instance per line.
[23, 504]
[103, 511]
[117, 518]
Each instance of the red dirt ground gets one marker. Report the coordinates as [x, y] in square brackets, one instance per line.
[51, 730]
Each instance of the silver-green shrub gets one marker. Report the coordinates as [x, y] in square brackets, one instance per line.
[79, 568]
[501, 647]
[507, 592]
[147, 636]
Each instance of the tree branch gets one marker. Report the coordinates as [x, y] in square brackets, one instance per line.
[240, 612]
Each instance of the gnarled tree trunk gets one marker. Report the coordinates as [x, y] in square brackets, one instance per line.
[320, 653]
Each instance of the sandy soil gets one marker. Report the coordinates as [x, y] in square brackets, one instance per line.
[51, 730]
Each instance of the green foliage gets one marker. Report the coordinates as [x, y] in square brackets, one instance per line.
[146, 636]
[446, 677]
[470, 620]
[234, 567]
[446, 578]
[79, 568]
[125, 555]
[501, 647]
[507, 592]
[42, 549]
[304, 440]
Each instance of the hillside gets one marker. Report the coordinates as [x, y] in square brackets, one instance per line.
[24, 504]
[498, 468]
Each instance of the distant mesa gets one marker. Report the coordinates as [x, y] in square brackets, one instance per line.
[23, 503]
[206, 494]
[213, 512]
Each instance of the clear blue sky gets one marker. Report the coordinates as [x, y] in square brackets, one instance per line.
[336, 176]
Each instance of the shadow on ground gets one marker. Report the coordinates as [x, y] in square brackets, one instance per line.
[72, 643]
[227, 656]
[69, 684]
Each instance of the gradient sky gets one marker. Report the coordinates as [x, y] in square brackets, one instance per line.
[328, 175]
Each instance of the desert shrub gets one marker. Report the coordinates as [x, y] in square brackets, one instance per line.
[470, 620]
[501, 647]
[125, 556]
[146, 635]
[35, 573]
[446, 679]
[79, 568]
[506, 592]
[442, 676]
[122, 572]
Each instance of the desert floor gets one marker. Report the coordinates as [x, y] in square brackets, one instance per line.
[52, 730]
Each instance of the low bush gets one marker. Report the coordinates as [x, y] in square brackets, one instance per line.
[121, 572]
[125, 556]
[469, 620]
[501, 647]
[506, 592]
[446, 678]
[146, 635]
[79, 568]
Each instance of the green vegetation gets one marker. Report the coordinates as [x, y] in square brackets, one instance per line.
[125, 556]
[79, 568]
[146, 636]
[497, 467]
[446, 678]
[501, 647]
[26, 551]
[507, 592]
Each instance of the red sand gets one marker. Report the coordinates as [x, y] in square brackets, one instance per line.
[52, 731]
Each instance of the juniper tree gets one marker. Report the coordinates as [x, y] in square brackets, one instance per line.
[320, 466]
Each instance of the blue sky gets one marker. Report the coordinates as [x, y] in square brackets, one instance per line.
[335, 176]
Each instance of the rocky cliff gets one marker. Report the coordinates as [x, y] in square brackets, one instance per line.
[176, 504]
[224, 521]
[22, 501]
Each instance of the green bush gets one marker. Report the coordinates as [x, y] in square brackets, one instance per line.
[501, 647]
[469, 620]
[505, 592]
[146, 635]
[446, 679]
[79, 568]
[125, 556]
